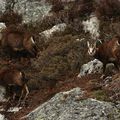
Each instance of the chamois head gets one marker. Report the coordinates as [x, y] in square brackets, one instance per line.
[30, 45]
[91, 48]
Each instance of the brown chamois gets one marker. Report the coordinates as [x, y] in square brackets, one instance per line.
[15, 39]
[107, 52]
[10, 77]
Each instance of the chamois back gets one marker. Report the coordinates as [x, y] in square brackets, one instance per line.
[17, 39]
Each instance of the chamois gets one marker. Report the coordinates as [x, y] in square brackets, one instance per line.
[107, 52]
[18, 40]
[12, 77]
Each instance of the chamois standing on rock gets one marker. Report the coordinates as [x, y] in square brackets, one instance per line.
[107, 52]
[12, 77]
[17, 40]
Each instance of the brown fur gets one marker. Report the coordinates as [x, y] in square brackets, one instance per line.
[17, 39]
[14, 77]
[109, 52]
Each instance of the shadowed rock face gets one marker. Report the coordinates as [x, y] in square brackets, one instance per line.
[68, 106]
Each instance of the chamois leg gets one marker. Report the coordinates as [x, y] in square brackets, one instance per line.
[20, 97]
[24, 89]
[14, 95]
[27, 92]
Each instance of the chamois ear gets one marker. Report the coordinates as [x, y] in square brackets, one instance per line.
[88, 44]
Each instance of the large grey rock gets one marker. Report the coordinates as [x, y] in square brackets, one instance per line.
[2, 6]
[2, 117]
[68, 106]
[2, 94]
[94, 66]
[32, 10]
[2, 26]
[92, 26]
[57, 28]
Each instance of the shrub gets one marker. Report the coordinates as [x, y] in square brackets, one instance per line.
[81, 9]
[63, 54]
[57, 6]
[100, 95]
[11, 17]
[107, 9]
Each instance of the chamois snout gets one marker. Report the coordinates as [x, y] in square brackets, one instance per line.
[91, 48]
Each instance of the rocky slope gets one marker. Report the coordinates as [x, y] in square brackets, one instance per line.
[69, 106]
[61, 29]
